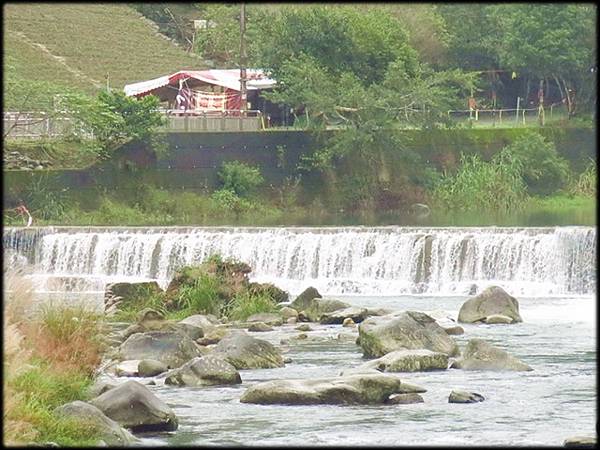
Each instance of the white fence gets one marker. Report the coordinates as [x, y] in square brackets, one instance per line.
[509, 117]
[35, 125]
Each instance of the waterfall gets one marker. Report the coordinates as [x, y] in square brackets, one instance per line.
[336, 260]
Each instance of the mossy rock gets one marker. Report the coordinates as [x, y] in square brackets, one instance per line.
[270, 290]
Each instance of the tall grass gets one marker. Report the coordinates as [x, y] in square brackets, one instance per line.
[585, 183]
[50, 354]
[247, 303]
[201, 297]
[485, 186]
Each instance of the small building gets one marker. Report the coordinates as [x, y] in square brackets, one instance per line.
[214, 92]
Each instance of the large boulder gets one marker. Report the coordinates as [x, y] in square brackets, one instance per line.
[270, 290]
[170, 348]
[204, 371]
[303, 300]
[230, 277]
[480, 355]
[268, 318]
[149, 319]
[197, 325]
[339, 315]
[492, 301]
[409, 361]
[246, 352]
[352, 389]
[133, 406]
[109, 430]
[118, 295]
[407, 330]
[151, 368]
[320, 306]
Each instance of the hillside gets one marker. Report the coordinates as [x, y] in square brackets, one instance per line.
[79, 44]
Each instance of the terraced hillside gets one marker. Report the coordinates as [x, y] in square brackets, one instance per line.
[78, 45]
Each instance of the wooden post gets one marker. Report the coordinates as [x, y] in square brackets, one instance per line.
[517, 113]
[500, 116]
[243, 93]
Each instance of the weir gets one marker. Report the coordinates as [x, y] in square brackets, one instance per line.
[335, 260]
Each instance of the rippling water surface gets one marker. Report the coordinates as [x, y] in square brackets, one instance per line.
[543, 407]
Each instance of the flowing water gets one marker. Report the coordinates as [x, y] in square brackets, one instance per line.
[550, 270]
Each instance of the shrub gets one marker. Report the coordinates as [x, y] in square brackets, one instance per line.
[245, 304]
[544, 171]
[227, 201]
[240, 178]
[480, 185]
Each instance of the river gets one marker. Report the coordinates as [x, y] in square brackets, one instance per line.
[550, 270]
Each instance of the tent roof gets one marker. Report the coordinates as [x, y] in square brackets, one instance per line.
[228, 78]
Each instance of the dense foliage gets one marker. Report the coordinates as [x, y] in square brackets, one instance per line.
[544, 171]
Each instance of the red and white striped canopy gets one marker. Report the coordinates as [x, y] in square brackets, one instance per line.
[227, 78]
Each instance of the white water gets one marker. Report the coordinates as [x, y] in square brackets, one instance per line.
[550, 270]
[341, 260]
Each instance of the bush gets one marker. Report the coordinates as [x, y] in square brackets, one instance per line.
[245, 304]
[240, 178]
[544, 171]
[480, 185]
[201, 297]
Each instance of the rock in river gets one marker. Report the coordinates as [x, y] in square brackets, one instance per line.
[480, 355]
[303, 300]
[339, 315]
[134, 406]
[404, 399]
[267, 318]
[246, 352]
[352, 389]
[492, 301]
[151, 368]
[170, 348]
[406, 330]
[409, 361]
[465, 397]
[109, 430]
[205, 371]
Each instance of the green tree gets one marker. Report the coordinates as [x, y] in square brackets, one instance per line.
[544, 171]
[240, 178]
[114, 118]
[553, 41]
[341, 39]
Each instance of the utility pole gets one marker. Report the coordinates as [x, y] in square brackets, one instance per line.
[243, 79]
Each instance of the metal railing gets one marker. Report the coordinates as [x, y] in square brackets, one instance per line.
[509, 116]
[36, 125]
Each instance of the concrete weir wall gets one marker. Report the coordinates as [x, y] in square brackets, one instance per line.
[192, 160]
